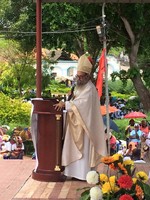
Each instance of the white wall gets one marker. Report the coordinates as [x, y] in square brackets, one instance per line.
[65, 68]
[68, 69]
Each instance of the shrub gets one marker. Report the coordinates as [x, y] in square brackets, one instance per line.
[14, 111]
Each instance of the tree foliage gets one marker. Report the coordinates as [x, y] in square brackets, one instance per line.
[72, 27]
[135, 35]
[17, 72]
[67, 26]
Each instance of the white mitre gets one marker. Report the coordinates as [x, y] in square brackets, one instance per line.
[84, 65]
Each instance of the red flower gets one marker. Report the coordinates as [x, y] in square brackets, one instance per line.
[126, 197]
[125, 181]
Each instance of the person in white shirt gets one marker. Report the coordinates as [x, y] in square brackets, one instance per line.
[136, 134]
[17, 149]
[5, 147]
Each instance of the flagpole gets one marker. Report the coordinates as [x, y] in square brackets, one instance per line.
[106, 74]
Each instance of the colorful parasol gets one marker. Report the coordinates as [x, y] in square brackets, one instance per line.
[133, 115]
[111, 109]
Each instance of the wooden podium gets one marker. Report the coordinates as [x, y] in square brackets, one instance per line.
[48, 141]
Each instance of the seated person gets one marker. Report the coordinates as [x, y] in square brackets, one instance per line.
[136, 134]
[144, 127]
[17, 149]
[122, 151]
[131, 147]
[4, 129]
[5, 147]
[145, 145]
[136, 154]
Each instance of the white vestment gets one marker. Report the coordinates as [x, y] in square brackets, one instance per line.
[84, 141]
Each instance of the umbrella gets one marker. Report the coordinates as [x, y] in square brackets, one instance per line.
[111, 109]
[133, 115]
[112, 124]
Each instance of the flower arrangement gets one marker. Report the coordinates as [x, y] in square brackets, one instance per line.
[124, 185]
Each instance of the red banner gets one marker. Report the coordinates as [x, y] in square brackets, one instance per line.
[99, 82]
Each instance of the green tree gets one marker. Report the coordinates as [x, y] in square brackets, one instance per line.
[18, 72]
[133, 33]
[19, 17]
[65, 26]
[5, 4]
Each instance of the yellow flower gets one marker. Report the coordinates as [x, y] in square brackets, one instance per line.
[106, 188]
[109, 187]
[128, 162]
[134, 180]
[142, 176]
[103, 178]
[116, 157]
[112, 179]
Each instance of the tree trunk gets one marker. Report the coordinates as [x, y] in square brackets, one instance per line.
[142, 92]
[141, 89]
[19, 87]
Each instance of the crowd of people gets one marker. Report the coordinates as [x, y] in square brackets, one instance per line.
[121, 106]
[11, 147]
[137, 141]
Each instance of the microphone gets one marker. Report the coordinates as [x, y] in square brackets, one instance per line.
[71, 93]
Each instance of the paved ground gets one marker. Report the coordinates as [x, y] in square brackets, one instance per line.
[13, 175]
[17, 184]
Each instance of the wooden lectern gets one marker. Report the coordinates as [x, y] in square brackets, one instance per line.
[48, 140]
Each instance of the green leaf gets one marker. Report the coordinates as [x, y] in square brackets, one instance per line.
[85, 195]
[146, 189]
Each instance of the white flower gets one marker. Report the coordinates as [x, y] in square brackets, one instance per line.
[96, 193]
[92, 177]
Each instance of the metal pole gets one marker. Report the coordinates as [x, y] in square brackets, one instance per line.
[106, 75]
[38, 47]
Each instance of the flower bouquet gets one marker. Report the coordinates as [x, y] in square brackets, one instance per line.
[124, 185]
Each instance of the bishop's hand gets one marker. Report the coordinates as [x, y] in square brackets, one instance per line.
[59, 106]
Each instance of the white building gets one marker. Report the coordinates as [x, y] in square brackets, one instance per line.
[68, 68]
[113, 65]
[65, 68]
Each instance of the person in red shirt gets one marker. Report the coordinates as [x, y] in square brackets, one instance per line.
[112, 141]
